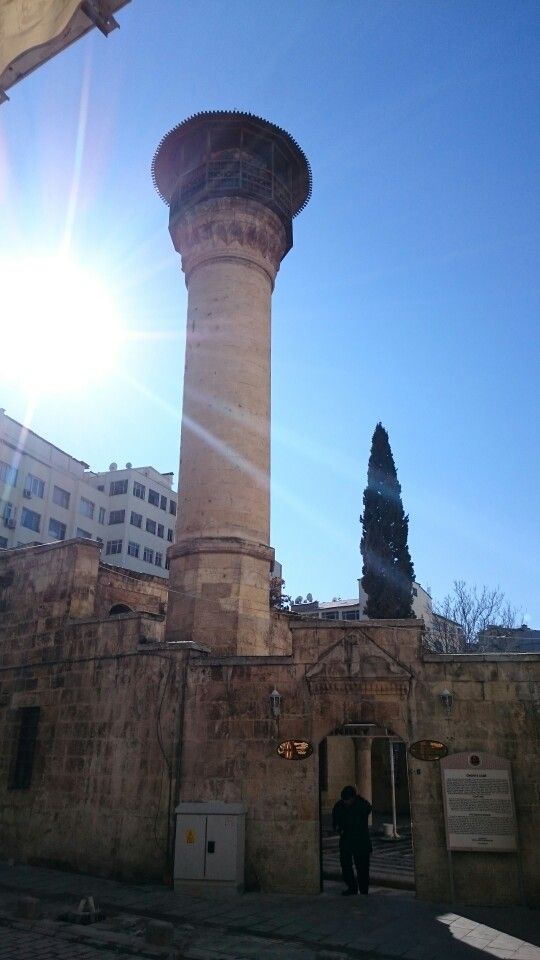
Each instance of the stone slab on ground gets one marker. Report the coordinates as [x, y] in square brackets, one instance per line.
[276, 926]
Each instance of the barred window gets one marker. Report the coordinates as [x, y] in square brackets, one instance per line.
[21, 771]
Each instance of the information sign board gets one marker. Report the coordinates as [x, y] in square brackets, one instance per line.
[478, 803]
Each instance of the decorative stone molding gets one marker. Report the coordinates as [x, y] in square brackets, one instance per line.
[221, 545]
[229, 227]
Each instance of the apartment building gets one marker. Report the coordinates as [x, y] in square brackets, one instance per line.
[353, 609]
[46, 495]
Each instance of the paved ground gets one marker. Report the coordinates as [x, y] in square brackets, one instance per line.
[392, 861]
[270, 927]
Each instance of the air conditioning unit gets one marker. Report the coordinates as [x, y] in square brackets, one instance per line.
[27, 494]
[9, 523]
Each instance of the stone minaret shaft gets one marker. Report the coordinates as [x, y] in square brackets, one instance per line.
[233, 182]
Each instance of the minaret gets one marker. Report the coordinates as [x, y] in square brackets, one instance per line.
[233, 183]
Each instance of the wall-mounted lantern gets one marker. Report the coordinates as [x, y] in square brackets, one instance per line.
[275, 703]
[447, 699]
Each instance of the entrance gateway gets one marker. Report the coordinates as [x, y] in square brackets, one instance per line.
[373, 759]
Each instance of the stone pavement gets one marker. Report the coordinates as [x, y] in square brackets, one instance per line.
[266, 926]
[392, 861]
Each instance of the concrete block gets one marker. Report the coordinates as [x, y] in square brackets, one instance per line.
[28, 908]
[159, 932]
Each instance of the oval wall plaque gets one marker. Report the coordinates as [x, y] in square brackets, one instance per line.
[294, 749]
[428, 750]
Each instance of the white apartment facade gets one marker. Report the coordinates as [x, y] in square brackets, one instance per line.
[354, 609]
[46, 495]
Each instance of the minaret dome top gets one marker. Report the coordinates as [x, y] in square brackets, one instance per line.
[228, 153]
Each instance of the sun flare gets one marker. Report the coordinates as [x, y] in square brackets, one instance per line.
[60, 326]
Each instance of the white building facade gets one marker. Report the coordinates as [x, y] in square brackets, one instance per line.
[354, 609]
[46, 495]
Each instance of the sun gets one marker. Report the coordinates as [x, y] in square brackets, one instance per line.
[60, 327]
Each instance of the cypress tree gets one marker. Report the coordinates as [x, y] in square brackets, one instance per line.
[387, 571]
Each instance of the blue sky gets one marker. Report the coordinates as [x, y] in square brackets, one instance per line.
[411, 295]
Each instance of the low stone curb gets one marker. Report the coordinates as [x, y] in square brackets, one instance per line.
[91, 937]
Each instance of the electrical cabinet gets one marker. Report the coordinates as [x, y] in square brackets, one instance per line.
[209, 848]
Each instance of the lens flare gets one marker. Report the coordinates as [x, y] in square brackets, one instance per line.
[60, 327]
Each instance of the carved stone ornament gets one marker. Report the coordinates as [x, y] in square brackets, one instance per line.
[229, 227]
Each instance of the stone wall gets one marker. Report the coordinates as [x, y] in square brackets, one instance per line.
[139, 591]
[496, 708]
[369, 673]
[129, 724]
[108, 693]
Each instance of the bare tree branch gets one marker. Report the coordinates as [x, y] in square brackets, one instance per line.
[468, 616]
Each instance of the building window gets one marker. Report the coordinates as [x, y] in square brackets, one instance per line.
[148, 555]
[57, 530]
[153, 497]
[136, 519]
[139, 490]
[151, 526]
[21, 771]
[86, 507]
[117, 487]
[61, 497]
[330, 615]
[35, 486]
[3, 543]
[8, 474]
[101, 515]
[113, 547]
[414, 592]
[6, 510]
[167, 563]
[30, 519]
[133, 549]
[159, 559]
[84, 534]
[117, 516]
[350, 615]
[172, 507]
[163, 503]
[160, 530]
[101, 487]
[170, 535]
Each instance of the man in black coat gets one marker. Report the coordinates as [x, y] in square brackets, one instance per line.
[350, 820]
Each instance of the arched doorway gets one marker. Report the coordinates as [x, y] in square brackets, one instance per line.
[374, 760]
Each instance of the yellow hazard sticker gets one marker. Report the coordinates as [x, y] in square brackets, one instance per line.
[190, 836]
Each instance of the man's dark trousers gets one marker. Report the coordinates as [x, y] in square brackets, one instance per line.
[348, 853]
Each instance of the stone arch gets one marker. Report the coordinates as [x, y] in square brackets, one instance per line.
[119, 608]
